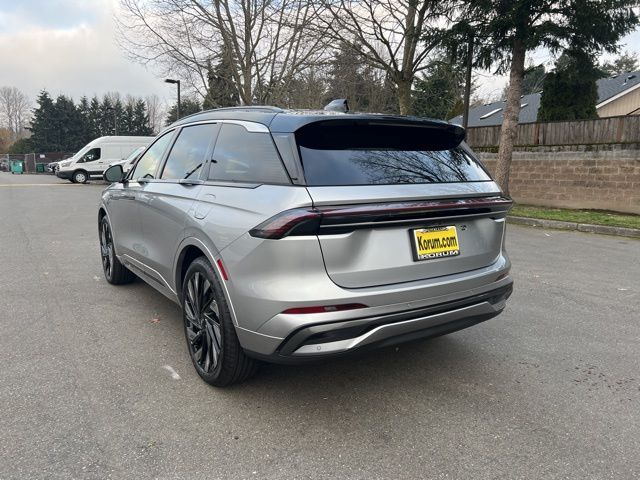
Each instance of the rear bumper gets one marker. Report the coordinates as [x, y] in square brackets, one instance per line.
[315, 342]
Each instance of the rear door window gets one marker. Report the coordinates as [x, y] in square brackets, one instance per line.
[247, 157]
[371, 154]
[189, 152]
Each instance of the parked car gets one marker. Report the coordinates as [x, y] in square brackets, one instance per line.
[95, 157]
[4, 166]
[130, 161]
[290, 236]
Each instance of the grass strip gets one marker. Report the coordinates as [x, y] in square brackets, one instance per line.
[594, 217]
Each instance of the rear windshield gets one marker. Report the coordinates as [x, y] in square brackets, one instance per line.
[383, 155]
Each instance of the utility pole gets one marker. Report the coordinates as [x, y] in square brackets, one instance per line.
[176, 82]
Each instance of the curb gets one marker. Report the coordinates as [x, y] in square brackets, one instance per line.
[581, 227]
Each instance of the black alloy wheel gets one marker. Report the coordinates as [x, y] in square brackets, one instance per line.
[106, 249]
[210, 332]
[114, 271]
[202, 323]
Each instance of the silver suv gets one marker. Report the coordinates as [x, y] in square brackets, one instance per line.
[290, 236]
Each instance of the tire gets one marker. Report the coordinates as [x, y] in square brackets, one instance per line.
[79, 176]
[114, 271]
[211, 337]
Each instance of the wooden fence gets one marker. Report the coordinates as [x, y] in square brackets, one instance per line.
[625, 129]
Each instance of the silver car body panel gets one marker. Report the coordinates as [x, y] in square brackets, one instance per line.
[154, 222]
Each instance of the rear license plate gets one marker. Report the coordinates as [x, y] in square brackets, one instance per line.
[440, 242]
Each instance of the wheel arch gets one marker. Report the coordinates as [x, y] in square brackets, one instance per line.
[102, 213]
[190, 249]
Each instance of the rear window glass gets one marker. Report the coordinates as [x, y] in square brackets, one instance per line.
[246, 157]
[188, 153]
[383, 155]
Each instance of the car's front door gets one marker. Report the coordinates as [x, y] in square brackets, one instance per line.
[165, 202]
[91, 161]
[124, 211]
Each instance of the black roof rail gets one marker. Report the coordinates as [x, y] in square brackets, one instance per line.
[245, 108]
[253, 108]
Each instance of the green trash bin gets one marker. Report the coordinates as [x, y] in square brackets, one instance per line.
[16, 166]
[39, 167]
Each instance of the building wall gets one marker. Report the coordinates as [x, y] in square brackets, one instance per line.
[628, 104]
[603, 178]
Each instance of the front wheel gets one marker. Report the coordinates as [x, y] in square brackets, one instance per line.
[114, 271]
[79, 177]
[213, 345]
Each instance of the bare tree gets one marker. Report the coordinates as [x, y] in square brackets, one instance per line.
[390, 34]
[266, 39]
[156, 111]
[14, 111]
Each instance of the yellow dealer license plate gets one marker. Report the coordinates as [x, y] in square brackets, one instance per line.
[437, 242]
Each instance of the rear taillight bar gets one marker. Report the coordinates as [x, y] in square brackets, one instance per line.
[307, 221]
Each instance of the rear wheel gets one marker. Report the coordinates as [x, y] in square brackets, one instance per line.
[79, 177]
[211, 337]
[114, 271]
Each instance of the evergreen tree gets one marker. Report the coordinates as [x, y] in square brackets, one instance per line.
[68, 122]
[83, 111]
[188, 106]
[222, 90]
[140, 120]
[533, 79]
[439, 90]
[128, 125]
[570, 93]
[43, 128]
[94, 128]
[107, 119]
[506, 30]
[120, 121]
[352, 78]
[23, 145]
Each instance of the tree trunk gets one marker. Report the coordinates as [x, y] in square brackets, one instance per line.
[404, 96]
[511, 113]
[467, 83]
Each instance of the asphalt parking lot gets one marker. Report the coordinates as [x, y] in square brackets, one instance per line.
[96, 381]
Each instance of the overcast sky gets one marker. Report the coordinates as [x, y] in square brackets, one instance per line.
[68, 46]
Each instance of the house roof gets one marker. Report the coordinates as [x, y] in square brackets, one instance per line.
[493, 113]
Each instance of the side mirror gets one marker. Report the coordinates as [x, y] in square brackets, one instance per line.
[114, 174]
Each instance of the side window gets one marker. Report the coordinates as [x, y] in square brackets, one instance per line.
[91, 155]
[148, 163]
[242, 156]
[188, 154]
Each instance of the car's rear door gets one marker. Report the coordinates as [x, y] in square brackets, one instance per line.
[399, 203]
[246, 184]
[165, 203]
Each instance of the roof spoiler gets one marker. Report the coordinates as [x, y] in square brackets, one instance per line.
[402, 133]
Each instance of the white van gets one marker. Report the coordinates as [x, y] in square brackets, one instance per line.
[95, 157]
[130, 161]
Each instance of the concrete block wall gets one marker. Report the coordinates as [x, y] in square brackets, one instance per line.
[592, 177]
